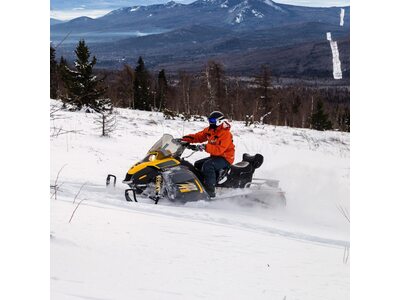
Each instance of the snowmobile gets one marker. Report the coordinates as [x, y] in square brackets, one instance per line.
[165, 174]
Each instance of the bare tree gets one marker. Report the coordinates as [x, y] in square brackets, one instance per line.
[55, 186]
[79, 203]
[185, 86]
[237, 97]
[125, 86]
[263, 99]
[55, 115]
[215, 85]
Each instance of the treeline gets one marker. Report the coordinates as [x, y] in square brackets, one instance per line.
[254, 100]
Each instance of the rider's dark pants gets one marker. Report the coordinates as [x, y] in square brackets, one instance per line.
[210, 167]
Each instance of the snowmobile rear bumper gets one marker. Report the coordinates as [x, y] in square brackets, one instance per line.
[267, 191]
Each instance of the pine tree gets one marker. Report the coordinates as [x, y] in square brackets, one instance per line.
[63, 92]
[319, 119]
[344, 121]
[63, 62]
[106, 122]
[142, 86]
[162, 89]
[53, 74]
[347, 120]
[295, 109]
[83, 88]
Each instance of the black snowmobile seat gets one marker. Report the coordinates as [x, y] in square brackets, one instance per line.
[243, 166]
[256, 160]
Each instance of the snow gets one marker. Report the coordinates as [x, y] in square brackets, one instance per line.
[257, 13]
[270, 3]
[240, 6]
[342, 11]
[227, 249]
[239, 18]
[134, 8]
[243, 8]
[171, 4]
[337, 70]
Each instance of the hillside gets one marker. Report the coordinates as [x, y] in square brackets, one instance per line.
[226, 249]
[183, 37]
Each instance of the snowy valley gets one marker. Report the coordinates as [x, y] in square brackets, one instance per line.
[225, 249]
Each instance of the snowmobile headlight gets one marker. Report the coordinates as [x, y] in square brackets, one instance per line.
[152, 157]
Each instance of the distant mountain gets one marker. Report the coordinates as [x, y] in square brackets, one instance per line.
[179, 36]
[234, 14]
[55, 21]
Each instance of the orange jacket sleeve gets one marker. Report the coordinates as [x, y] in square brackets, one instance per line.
[224, 142]
[198, 137]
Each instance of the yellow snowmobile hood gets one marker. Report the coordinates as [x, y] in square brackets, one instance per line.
[157, 163]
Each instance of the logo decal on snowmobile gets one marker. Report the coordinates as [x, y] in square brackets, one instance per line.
[187, 187]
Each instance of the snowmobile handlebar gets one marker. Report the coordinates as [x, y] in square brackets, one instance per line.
[181, 142]
[192, 147]
[187, 145]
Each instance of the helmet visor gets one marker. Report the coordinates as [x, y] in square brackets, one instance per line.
[212, 120]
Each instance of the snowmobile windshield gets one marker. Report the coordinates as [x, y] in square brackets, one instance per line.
[166, 144]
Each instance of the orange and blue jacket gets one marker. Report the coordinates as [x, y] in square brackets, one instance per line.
[220, 141]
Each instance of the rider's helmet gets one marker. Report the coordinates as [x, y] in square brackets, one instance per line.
[215, 119]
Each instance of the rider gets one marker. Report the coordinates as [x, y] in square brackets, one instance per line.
[220, 146]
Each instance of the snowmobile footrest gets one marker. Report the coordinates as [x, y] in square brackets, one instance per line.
[155, 199]
[128, 198]
[109, 176]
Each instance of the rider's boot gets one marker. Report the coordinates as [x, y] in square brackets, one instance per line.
[210, 189]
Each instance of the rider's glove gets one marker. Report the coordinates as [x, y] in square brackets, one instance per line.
[178, 141]
[201, 147]
[187, 138]
[198, 147]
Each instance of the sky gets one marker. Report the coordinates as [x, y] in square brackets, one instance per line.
[69, 9]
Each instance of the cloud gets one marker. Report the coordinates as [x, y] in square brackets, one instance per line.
[65, 15]
[316, 3]
[104, 4]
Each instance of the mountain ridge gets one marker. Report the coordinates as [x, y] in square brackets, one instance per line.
[239, 13]
[187, 34]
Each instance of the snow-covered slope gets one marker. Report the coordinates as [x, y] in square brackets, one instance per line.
[220, 250]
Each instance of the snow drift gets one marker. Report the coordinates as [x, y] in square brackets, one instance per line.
[225, 249]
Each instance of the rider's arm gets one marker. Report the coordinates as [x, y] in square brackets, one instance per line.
[224, 141]
[198, 137]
